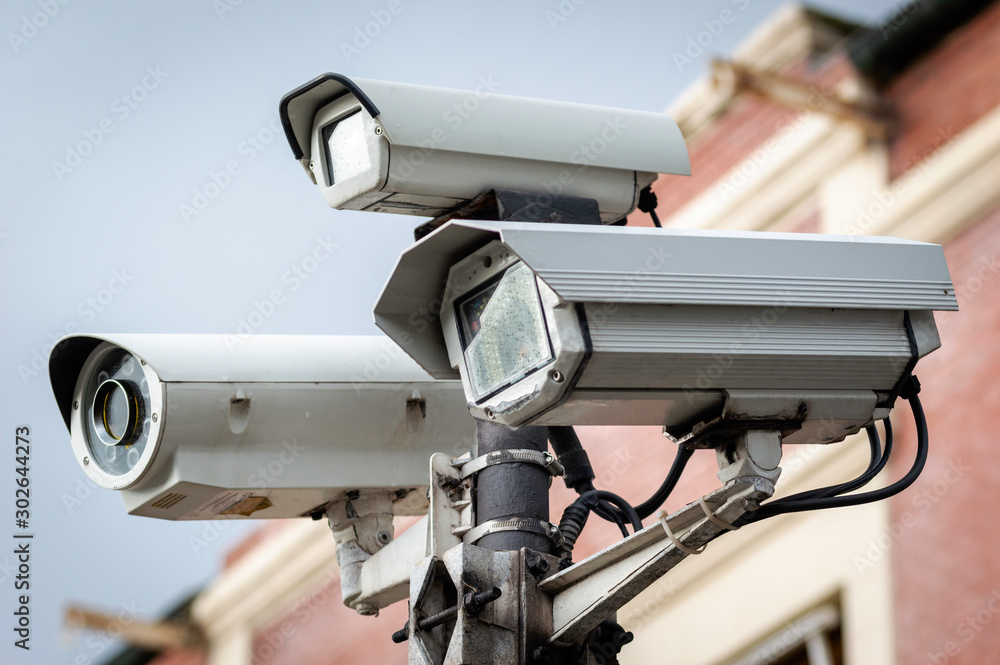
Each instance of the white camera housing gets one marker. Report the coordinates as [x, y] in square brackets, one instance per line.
[635, 326]
[190, 427]
[420, 150]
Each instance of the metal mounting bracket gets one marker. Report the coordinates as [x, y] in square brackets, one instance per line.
[543, 459]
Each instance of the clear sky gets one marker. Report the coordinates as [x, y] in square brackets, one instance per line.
[117, 215]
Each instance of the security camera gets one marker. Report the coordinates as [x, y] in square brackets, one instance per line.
[553, 324]
[189, 427]
[419, 150]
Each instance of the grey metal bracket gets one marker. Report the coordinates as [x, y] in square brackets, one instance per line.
[586, 593]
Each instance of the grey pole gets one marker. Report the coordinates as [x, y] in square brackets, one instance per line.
[513, 489]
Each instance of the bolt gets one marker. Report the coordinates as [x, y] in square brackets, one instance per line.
[476, 602]
[86, 461]
[489, 413]
[154, 417]
[383, 538]
[750, 504]
[378, 130]
[366, 610]
[540, 655]
[142, 362]
[537, 564]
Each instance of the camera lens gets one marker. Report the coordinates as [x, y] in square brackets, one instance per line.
[116, 412]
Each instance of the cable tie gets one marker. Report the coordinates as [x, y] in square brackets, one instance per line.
[713, 518]
[678, 544]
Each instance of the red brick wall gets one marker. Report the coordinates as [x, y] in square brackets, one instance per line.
[320, 630]
[945, 538]
[946, 91]
[745, 127]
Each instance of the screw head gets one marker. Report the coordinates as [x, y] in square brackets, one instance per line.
[154, 417]
[366, 610]
[556, 376]
[142, 362]
[383, 538]
[378, 130]
[76, 406]
[489, 413]
[86, 461]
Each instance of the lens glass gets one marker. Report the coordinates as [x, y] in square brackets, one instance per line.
[119, 415]
[503, 331]
[346, 148]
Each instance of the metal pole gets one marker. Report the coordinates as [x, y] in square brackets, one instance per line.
[512, 490]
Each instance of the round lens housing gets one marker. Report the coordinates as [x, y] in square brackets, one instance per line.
[115, 428]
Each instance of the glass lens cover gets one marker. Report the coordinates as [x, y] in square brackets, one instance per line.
[503, 331]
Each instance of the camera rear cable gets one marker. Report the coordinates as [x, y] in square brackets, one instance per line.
[834, 497]
[647, 204]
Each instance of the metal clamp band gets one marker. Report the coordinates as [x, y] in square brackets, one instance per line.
[528, 524]
[543, 459]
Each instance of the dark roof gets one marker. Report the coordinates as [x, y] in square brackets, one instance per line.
[884, 51]
[131, 655]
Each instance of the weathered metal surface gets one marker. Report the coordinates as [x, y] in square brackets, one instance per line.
[588, 592]
[512, 490]
[385, 577]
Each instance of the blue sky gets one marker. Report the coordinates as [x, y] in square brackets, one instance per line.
[145, 187]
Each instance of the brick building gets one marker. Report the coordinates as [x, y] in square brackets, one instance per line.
[813, 125]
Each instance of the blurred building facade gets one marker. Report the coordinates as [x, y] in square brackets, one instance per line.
[812, 125]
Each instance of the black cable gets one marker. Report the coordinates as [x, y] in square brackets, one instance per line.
[876, 461]
[872, 471]
[579, 475]
[651, 505]
[624, 505]
[607, 513]
[647, 204]
[821, 503]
